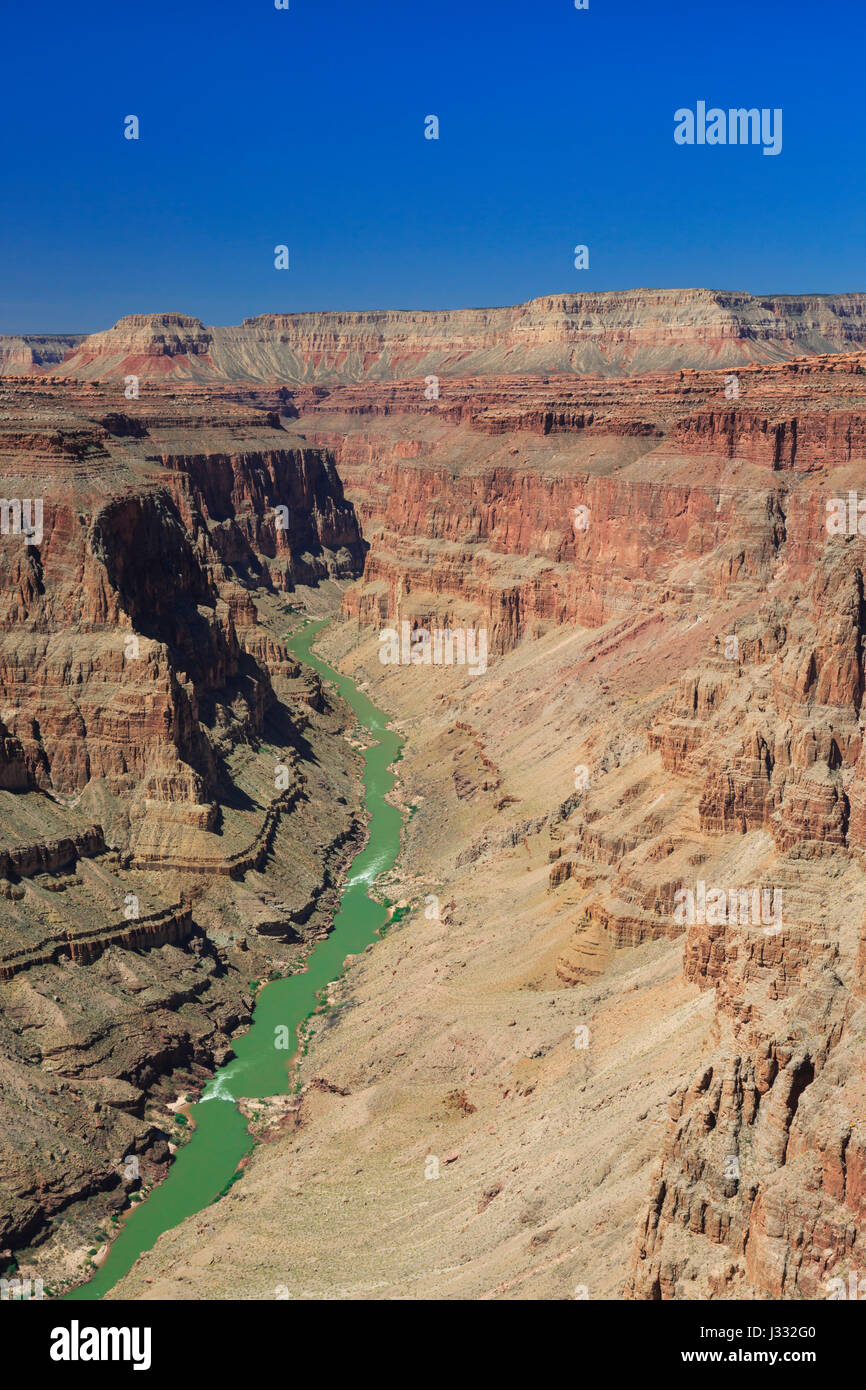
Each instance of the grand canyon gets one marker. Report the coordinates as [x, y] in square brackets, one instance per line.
[611, 1043]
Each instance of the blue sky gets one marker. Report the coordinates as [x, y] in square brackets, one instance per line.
[306, 127]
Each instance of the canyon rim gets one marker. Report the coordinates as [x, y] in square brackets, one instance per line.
[545, 1079]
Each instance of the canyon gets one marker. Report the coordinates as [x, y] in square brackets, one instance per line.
[615, 333]
[541, 1082]
[176, 805]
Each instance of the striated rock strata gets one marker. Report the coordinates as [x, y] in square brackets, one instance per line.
[615, 333]
[176, 797]
[623, 1004]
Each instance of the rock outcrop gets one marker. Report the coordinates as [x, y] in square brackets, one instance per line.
[176, 800]
[617, 333]
[690, 533]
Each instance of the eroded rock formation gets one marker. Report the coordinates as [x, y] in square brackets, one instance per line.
[176, 800]
[649, 812]
[616, 333]
[690, 530]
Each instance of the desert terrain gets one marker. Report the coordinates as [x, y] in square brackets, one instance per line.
[544, 1081]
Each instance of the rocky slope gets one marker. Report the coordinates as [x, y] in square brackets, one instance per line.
[176, 796]
[35, 352]
[760, 779]
[624, 1010]
[614, 334]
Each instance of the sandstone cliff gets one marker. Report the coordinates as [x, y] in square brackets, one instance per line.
[615, 334]
[727, 746]
[151, 861]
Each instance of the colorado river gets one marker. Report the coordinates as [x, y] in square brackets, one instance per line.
[204, 1166]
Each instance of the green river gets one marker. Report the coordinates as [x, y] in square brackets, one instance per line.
[207, 1163]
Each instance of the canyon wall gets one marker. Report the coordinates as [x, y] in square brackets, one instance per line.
[689, 532]
[35, 352]
[176, 799]
[649, 811]
[615, 333]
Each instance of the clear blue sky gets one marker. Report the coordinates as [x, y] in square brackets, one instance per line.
[306, 127]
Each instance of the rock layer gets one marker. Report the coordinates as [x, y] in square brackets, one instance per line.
[729, 665]
[645, 820]
[176, 796]
[616, 333]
